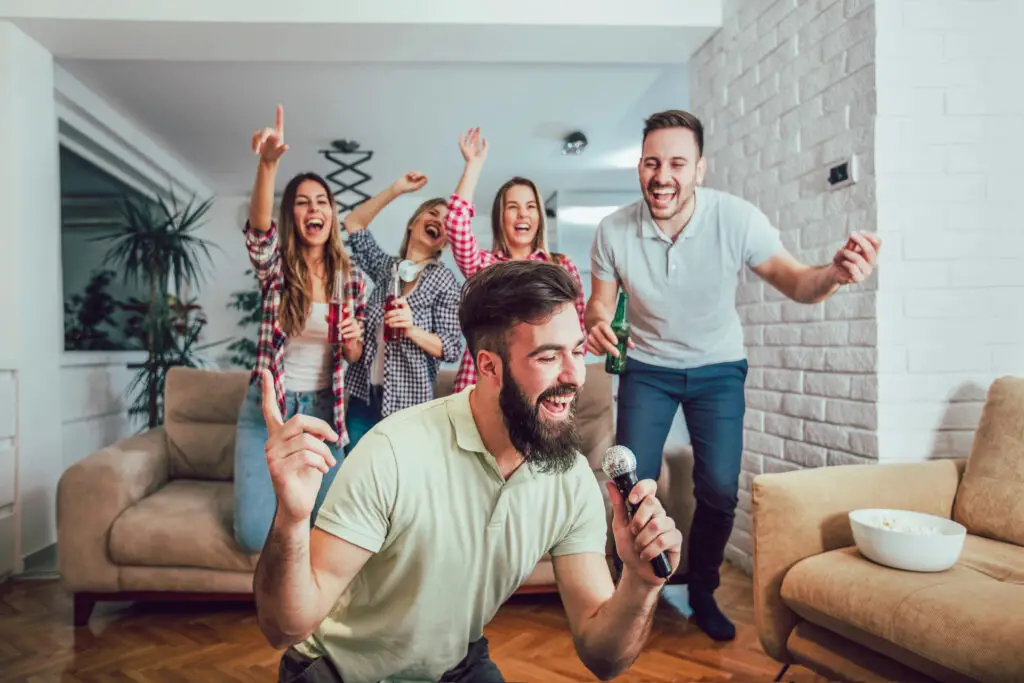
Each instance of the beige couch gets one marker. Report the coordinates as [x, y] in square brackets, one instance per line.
[150, 517]
[819, 603]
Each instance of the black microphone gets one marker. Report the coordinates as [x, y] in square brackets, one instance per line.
[619, 465]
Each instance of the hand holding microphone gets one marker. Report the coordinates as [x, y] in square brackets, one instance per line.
[647, 539]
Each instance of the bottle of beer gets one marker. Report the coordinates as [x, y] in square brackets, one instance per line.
[620, 325]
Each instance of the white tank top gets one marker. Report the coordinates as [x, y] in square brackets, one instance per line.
[307, 355]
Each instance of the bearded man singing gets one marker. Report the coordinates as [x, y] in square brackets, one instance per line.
[442, 511]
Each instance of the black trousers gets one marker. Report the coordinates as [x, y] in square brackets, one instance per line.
[475, 667]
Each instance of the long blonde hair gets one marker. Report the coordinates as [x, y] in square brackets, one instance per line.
[540, 240]
[297, 297]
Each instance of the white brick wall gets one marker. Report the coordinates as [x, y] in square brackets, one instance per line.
[923, 91]
[783, 89]
[950, 173]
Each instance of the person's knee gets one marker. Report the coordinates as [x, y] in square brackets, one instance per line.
[719, 494]
[250, 531]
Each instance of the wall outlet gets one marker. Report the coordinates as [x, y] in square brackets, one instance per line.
[842, 172]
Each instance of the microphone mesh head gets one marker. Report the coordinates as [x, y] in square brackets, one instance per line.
[617, 461]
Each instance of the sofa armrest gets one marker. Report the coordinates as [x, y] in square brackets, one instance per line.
[803, 513]
[91, 494]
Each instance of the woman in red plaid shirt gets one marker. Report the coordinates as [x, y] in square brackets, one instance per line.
[300, 263]
[517, 226]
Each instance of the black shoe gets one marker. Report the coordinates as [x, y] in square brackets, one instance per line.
[710, 619]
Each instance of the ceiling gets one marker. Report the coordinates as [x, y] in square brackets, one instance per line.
[403, 86]
[409, 116]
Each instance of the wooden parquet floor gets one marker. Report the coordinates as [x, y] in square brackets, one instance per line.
[220, 642]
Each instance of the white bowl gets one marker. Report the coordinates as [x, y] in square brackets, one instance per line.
[902, 539]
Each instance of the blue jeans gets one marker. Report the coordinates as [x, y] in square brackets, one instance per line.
[361, 417]
[713, 404]
[255, 500]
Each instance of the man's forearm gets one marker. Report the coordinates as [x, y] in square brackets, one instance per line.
[595, 312]
[814, 285]
[284, 585]
[613, 638]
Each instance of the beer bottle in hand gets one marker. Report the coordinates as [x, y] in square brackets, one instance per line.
[620, 326]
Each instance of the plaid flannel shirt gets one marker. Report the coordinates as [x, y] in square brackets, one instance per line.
[409, 371]
[470, 258]
[265, 255]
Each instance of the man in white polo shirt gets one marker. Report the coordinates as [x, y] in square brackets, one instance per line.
[443, 510]
[678, 254]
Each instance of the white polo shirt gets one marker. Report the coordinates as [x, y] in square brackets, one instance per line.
[682, 294]
[452, 540]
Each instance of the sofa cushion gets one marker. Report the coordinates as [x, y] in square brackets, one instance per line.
[184, 524]
[914, 617]
[989, 501]
[200, 416]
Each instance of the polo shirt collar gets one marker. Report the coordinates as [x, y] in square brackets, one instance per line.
[648, 229]
[468, 436]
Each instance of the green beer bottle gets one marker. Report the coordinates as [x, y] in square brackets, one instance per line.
[620, 325]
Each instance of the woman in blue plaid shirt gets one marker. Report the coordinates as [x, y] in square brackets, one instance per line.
[392, 375]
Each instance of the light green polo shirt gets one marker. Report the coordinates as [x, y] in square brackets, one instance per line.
[453, 540]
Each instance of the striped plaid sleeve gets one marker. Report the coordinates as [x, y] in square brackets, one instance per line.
[581, 304]
[459, 227]
[368, 255]
[445, 316]
[264, 252]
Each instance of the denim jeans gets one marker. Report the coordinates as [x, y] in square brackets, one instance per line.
[713, 404]
[255, 500]
[361, 417]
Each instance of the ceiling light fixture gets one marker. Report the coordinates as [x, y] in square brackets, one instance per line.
[574, 143]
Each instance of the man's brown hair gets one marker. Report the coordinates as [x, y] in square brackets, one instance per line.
[676, 118]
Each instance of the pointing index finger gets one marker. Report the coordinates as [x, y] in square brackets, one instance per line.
[280, 120]
[271, 411]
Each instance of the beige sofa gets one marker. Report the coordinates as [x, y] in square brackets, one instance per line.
[150, 517]
[819, 603]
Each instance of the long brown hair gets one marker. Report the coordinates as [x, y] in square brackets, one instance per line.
[297, 297]
[420, 210]
[540, 240]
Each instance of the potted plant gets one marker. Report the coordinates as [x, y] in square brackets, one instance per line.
[155, 247]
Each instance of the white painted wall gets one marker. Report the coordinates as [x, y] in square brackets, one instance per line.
[950, 165]
[95, 402]
[31, 276]
[8, 468]
[783, 89]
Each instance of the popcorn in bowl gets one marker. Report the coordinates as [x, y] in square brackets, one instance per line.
[906, 526]
[907, 540]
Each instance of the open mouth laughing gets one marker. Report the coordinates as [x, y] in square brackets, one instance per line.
[314, 226]
[433, 229]
[522, 227]
[662, 197]
[557, 406]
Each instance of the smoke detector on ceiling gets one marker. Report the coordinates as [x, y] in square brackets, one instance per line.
[574, 143]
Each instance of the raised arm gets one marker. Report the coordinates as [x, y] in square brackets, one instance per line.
[260, 232]
[459, 219]
[366, 252]
[853, 263]
[302, 573]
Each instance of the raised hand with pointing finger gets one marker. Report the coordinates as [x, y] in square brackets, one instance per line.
[297, 456]
[268, 144]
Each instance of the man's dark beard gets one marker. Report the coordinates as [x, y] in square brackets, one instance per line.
[550, 448]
